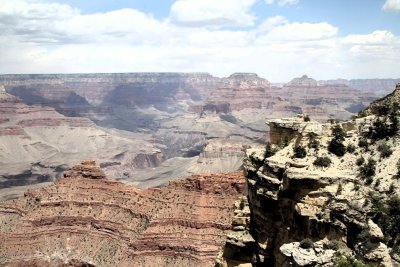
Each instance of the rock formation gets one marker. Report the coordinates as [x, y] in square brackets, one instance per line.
[303, 81]
[327, 196]
[85, 219]
[37, 144]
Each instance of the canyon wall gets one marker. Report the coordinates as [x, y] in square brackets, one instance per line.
[85, 218]
[319, 208]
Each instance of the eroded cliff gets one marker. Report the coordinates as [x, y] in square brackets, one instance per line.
[322, 194]
[84, 219]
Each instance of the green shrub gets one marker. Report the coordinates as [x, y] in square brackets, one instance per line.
[368, 170]
[348, 262]
[351, 148]
[336, 145]
[300, 152]
[322, 161]
[385, 126]
[312, 142]
[385, 150]
[334, 245]
[363, 143]
[306, 118]
[306, 243]
[360, 161]
[389, 221]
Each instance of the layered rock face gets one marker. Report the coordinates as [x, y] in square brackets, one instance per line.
[84, 219]
[300, 95]
[310, 205]
[160, 122]
[37, 144]
[381, 87]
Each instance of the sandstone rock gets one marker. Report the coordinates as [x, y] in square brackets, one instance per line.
[379, 253]
[100, 222]
[307, 257]
[87, 169]
[375, 233]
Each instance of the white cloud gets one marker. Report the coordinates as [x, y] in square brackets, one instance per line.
[212, 12]
[374, 38]
[299, 32]
[391, 5]
[34, 40]
[282, 2]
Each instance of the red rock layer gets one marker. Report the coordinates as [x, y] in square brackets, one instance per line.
[15, 116]
[84, 219]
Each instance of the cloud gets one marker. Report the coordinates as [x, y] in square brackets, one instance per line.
[374, 38]
[285, 31]
[42, 38]
[199, 13]
[391, 5]
[282, 2]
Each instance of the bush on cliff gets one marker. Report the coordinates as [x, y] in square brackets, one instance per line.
[389, 221]
[306, 243]
[300, 152]
[368, 170]
[348, 262]
[336, 145]
[385, 150]
[322, 161]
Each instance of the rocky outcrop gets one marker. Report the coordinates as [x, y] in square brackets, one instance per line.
[382, 105]
[303, 81]
[84, 218]
[318, 208]
[87, 169]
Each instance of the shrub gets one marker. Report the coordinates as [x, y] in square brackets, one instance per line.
[306, 118]
[348, 262]
[300, 152]
[322, 161]
[368, 170]
[389, 222]
[385, 150]
[338, 132]
[336, 145]
[360, 161]
[312, 142]
[334, 245]
[363, 143]
[306, 243]
[381, 127]
[351, 148]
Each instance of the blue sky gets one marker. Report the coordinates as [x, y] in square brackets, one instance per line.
[278, 39]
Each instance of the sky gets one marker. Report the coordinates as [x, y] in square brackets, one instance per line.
[277, 39]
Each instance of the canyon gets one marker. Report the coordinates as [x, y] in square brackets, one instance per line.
[149, 128]
[184, 175]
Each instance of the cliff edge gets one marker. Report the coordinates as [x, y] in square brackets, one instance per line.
[322, 194]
